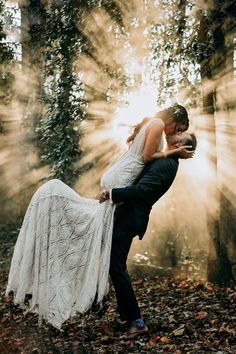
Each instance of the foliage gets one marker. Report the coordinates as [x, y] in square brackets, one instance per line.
[58, 39]
[188, 45]
[6, 58]
[63, 93]
[57, 34]
[172, 42]
[217, 24]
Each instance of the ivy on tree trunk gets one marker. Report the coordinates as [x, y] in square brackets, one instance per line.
[6, 59]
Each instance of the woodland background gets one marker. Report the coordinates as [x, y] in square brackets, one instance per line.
[74, 76]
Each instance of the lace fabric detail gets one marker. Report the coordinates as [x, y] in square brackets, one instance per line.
[62, 253]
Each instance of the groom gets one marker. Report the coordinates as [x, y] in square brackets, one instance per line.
[131, 219]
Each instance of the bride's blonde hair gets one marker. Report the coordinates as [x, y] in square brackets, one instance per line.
[178, 113]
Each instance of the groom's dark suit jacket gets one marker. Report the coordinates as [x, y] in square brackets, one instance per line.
[156, 178]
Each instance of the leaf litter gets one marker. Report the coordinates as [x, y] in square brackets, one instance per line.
[183, 316]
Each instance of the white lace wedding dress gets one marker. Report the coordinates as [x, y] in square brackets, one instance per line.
[62, 253]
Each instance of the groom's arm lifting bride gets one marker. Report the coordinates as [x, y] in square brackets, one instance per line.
[131, 219]
[67, 275]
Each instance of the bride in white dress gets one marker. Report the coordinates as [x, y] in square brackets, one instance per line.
[62, 253]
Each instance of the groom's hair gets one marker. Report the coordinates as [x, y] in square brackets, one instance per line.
[190, 140]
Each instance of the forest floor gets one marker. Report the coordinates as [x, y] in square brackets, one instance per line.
[183, 316]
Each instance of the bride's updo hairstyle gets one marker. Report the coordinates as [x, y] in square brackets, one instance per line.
[176, 113]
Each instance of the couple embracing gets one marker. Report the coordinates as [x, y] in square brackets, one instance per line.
[68, 245]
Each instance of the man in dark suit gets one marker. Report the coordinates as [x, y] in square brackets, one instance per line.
[131, 219]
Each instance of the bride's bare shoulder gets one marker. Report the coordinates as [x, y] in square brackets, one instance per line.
[157, 124]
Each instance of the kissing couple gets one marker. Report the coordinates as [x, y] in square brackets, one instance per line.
[68, 244]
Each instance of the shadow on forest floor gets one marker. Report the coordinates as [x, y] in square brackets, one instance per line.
[183, 316]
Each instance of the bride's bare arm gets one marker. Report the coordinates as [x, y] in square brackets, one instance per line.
[182, 152]
[152, 141]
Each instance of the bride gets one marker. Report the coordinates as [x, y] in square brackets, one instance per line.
[62, 253]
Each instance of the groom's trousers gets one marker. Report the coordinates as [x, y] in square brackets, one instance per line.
[126, 301]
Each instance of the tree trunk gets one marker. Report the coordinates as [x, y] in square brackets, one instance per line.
[213, 67]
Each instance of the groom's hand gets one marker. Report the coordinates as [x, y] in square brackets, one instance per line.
[184, 152]
[103, 195]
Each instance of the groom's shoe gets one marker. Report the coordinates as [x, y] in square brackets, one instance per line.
[136, 329]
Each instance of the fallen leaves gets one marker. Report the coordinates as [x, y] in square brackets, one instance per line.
[165, 340]
[179, 331]
[201, 315]
[183, 316]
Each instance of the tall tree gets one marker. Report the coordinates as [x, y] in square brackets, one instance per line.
[214, 25]
[63, 90]
[6, 59]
